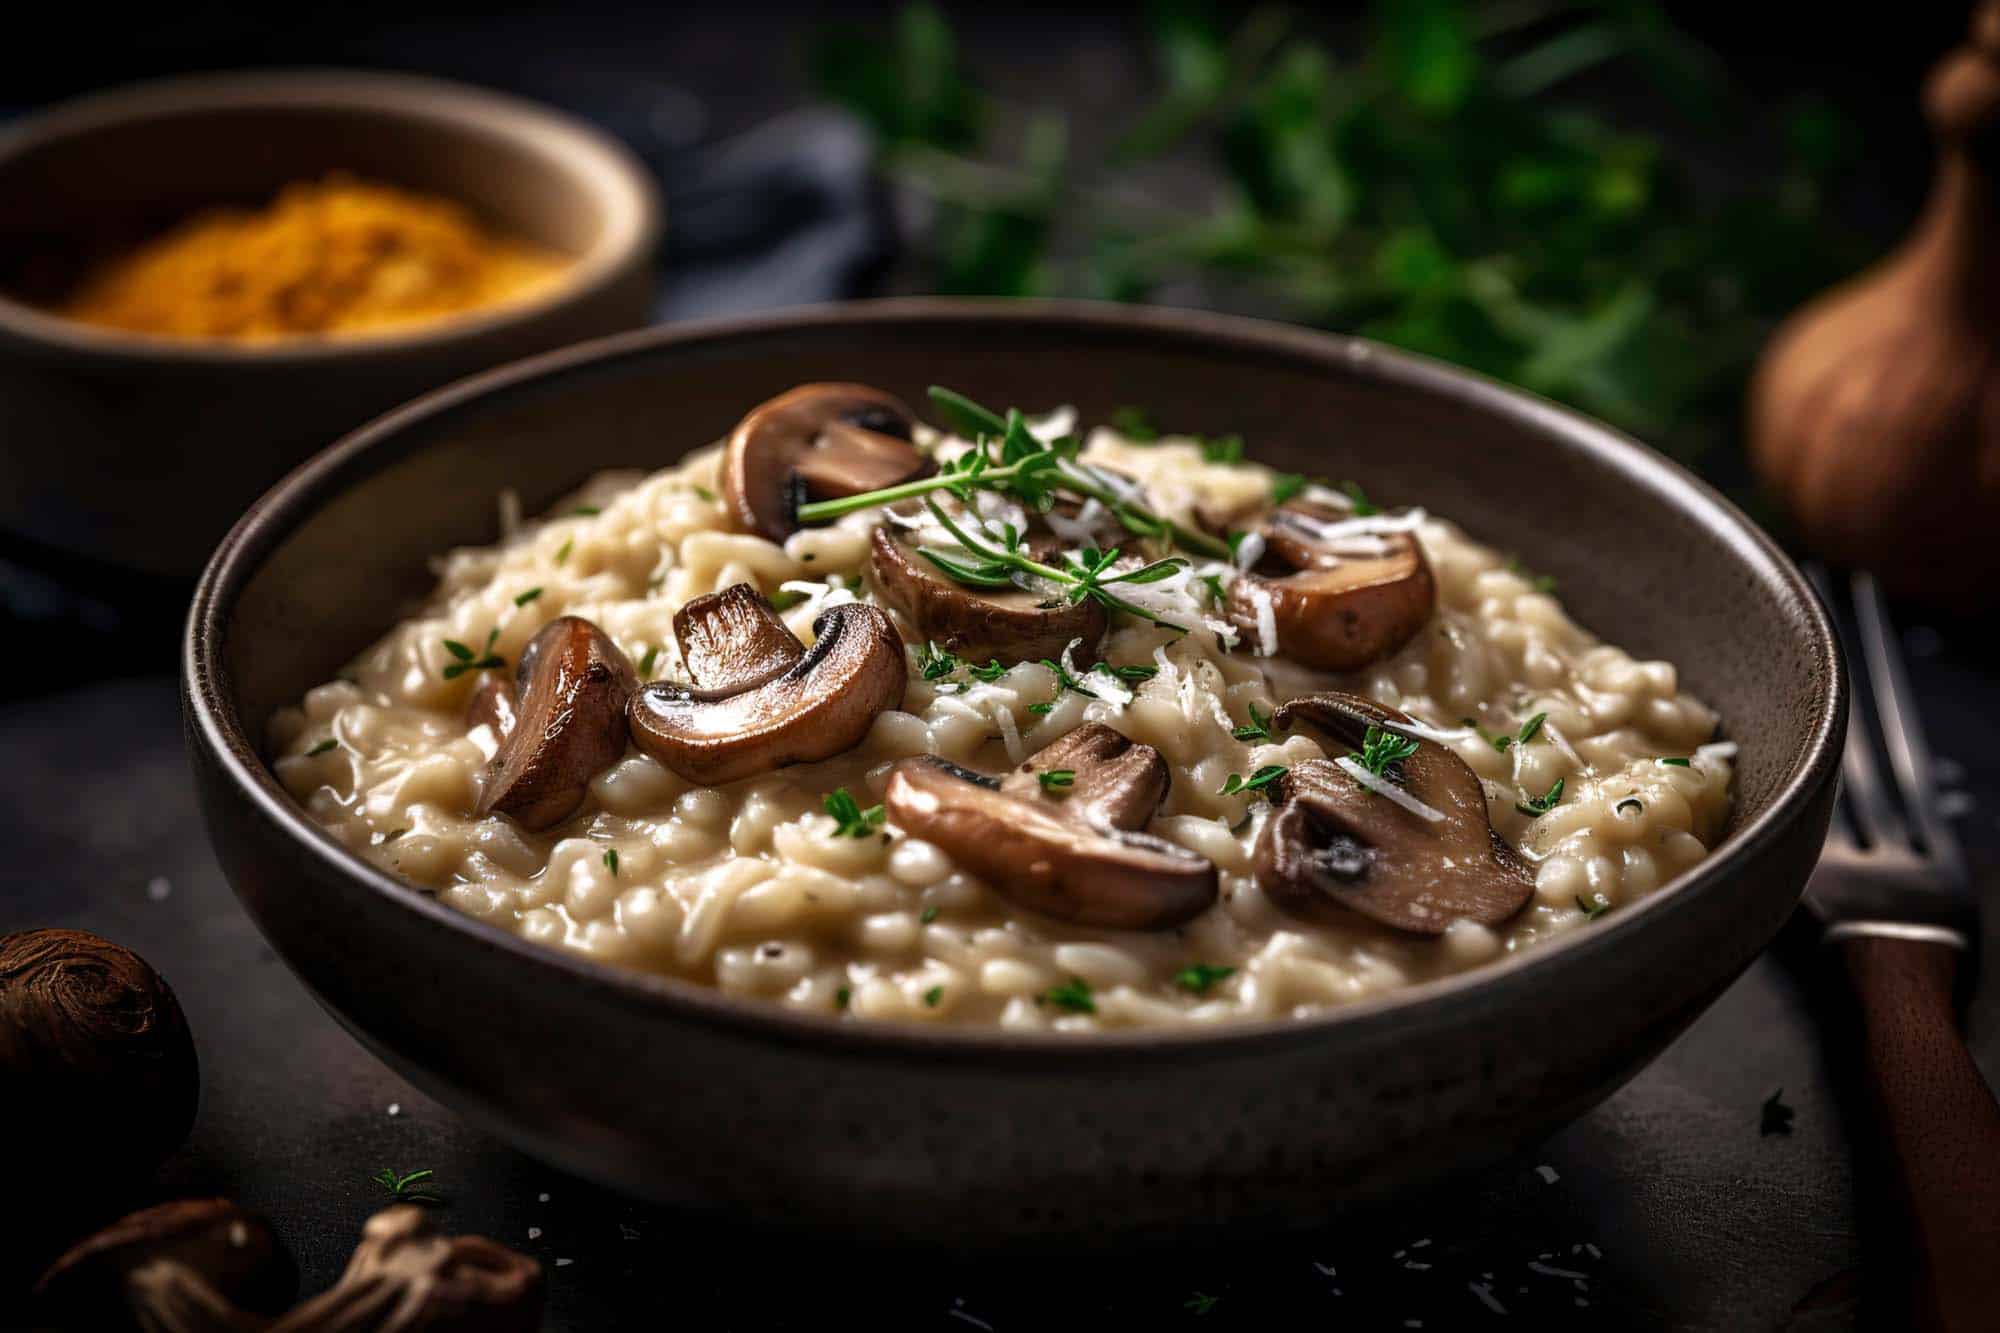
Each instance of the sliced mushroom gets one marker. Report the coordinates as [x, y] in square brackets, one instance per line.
[732, 641]
[1080, 857]
[571, 687]
[821, 705]
[1333, 611]
[1010, 624]
[816, 442]
[403, 1277]
[1335, 847]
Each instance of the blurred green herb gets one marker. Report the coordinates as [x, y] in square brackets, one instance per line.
[1442, 190]
[850, 820]
[411, 1187]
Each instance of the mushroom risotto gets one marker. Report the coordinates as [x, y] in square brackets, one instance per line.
[997, 724]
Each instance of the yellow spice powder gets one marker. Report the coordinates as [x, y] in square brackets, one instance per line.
[337, 256]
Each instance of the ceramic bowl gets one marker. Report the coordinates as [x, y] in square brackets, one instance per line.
[138, 452]
[671, 1091]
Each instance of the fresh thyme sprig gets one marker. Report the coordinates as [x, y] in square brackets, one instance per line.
[1257, 781]
[1380, 750]
[1200, 977]
[484, 660]
[1537, 806]
[1002, 563]
[851, 820]
[1029, 469]
[1258, 728]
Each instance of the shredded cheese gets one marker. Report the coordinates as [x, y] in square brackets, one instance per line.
[1383, 787]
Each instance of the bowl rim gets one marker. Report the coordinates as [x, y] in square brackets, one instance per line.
[610, 171]
[214, 724]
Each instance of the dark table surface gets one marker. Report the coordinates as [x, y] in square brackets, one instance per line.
[1667, 1207]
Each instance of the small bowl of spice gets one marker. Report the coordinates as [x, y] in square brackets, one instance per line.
[204, 280]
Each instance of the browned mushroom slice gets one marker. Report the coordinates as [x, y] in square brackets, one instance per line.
[980, 624]
[1079, 857]
[571, 688]
[816, 442]
[1332, 610]
[1335, 846]
[732, 641]
[822, 705]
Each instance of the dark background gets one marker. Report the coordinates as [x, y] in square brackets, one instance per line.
[1666, 1208]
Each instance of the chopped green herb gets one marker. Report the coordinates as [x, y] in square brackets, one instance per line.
[989, 673]
[928, 915]
[851, 820]
[1227, 449]
[1042, 710]
[1073, 996]
[1257, 781]
[934, 663]
[611, 861]
[646, 662]
[1056, 779]
[1380, 750]
[528, 596]
[1201, 1302]
[1638, 806]
[325, 745]
[1258, 728]
[1593, 907]
[1213, 583]
[1536, 806]
[404, 1188]
[1540, 582]
[1134, 425]
[1531, 728]
[932, 996]
[1776, 1117]
[841, 997]
[1676, 763]
[704, 493]
[1065, 681]
[484, 660]
[585, 511]
[1363, 506]
[562, 552]
[1286, 485]
[1200, 977]
[1131, 675]
[784, 599]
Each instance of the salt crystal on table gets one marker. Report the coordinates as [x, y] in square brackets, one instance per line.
[564, 1263]
[1547, 1173]
[534, 1233]
[395, 1108]
[158, 887]
[543, 1197]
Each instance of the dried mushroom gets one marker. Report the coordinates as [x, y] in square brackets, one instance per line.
[403, 1277]
[109, 1280]
[1337, 600]
[97, 1068]
[568, 723]
[819, 706]
[1062, 834]
[816, 442]
[1010, 624]
[1409, 846]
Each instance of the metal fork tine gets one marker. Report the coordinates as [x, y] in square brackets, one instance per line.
[1874, 817]
[1902, 729]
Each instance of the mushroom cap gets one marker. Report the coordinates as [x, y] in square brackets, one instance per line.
[816, 442]
[1333, 612]
[732, 641]
[1335, 847]
[1079, 858]
[820, 706]
[571, 687]
[1012, 625]
[232, 1251]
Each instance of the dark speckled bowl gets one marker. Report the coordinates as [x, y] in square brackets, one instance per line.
[671, 1091]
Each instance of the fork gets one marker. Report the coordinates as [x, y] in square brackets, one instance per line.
[1890, 891]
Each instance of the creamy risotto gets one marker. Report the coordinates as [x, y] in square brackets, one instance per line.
[943, 757]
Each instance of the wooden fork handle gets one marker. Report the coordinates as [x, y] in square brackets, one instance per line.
[1940, 1126]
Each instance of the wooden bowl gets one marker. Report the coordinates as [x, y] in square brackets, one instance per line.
[138, 451]
[676, 1092]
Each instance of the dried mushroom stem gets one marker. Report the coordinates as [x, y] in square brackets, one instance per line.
[403, 1277]
[194, 1264]
[1336, 847]
[1080, 857]
[820, 706]
[569, 725]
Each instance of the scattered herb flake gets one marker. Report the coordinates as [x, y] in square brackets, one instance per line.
[1056, 779]
[611, 861]
[851, 820]
[934, 663]
[928, 915]
[1257, 781]
[484, 660]
[528, 596]
[1225, 449]
[325, 745]
[1676, 763]
[1201, 1302]
[1539, 582]
[704, 493]
[585, 511]
[1200, 977]
[562, 552]
[932, 996]
[1073, 996]
[1380, 750]
[1258, 728]
[646, 662]
[1131, 675]
[989, 673]
[842, 996]
[1363, 506]
[1042, 710]
[784, 599]
[1134, 425]
[1286, 485]
[404, 1188]
[1536, 806]
[1213, 583]
[1531, 728]
[1593, 907]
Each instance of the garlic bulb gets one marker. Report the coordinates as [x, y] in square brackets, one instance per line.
[1875, 416]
